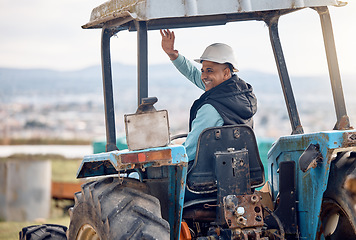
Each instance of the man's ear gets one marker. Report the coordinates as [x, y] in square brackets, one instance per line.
[227, 73]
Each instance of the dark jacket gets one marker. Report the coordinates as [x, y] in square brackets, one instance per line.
[233, 99]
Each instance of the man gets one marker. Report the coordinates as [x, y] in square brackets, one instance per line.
[227, 99]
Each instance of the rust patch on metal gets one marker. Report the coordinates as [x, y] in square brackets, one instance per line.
[236, 133]
[253, 233]
[199, 214]
[243, 211]
[349, 139]
[139, 160]
[266, 201]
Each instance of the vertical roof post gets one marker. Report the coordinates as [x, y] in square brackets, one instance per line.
[108, 90]
[142, 61]
[272, 23]
[334, 73]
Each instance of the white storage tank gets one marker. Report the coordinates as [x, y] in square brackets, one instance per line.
[25, 189]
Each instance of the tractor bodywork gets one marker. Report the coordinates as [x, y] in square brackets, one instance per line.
[299, 165]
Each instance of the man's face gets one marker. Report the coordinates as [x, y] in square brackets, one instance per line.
[212, 74]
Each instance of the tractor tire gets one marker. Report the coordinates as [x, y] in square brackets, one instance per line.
[113, 209]
[43, 232]
[338, 215]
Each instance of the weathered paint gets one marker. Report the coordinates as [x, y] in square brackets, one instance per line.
[123, 11]
[109, 163]
[243, 211]
[310, 184]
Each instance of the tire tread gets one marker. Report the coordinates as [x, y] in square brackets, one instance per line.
[123, 210]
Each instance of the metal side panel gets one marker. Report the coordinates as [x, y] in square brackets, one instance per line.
[145, 10]
[312, 183]
[112, 162]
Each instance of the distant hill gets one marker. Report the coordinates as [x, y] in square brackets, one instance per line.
[164, 81]
[57, 95]
[44, 82]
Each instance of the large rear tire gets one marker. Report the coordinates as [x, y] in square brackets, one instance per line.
[109, 209]
[338, 216]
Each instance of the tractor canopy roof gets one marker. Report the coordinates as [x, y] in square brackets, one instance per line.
[190, 13]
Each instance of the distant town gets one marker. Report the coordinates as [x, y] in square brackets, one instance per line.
[45, 104]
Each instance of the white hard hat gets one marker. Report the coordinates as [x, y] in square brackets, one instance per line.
[219, 53]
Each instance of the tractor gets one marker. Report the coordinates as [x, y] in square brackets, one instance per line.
[152, 191]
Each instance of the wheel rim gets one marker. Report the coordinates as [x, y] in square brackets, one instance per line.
[87, 232]
[335, 223]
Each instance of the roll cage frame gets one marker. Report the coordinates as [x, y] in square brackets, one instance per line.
[271, 18]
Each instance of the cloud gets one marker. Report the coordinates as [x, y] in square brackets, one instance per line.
[48, 34]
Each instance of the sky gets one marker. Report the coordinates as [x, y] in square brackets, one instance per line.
[48, 34]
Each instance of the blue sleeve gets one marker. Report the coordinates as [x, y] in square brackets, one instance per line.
[206, 117]
[191, 72]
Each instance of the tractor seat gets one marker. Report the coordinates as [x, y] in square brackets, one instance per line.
[201, 179]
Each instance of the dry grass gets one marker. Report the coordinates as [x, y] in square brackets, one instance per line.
[65, 170]
[59, 216]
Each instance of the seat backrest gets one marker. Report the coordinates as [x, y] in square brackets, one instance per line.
[201, 176]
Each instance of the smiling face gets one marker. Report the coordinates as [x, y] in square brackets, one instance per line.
[212, 74]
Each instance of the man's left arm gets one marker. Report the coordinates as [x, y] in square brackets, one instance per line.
[206, 117]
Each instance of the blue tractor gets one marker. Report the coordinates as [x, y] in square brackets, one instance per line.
[151, 191]
[155, 193]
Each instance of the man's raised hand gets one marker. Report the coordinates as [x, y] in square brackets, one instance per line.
[168, 43]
